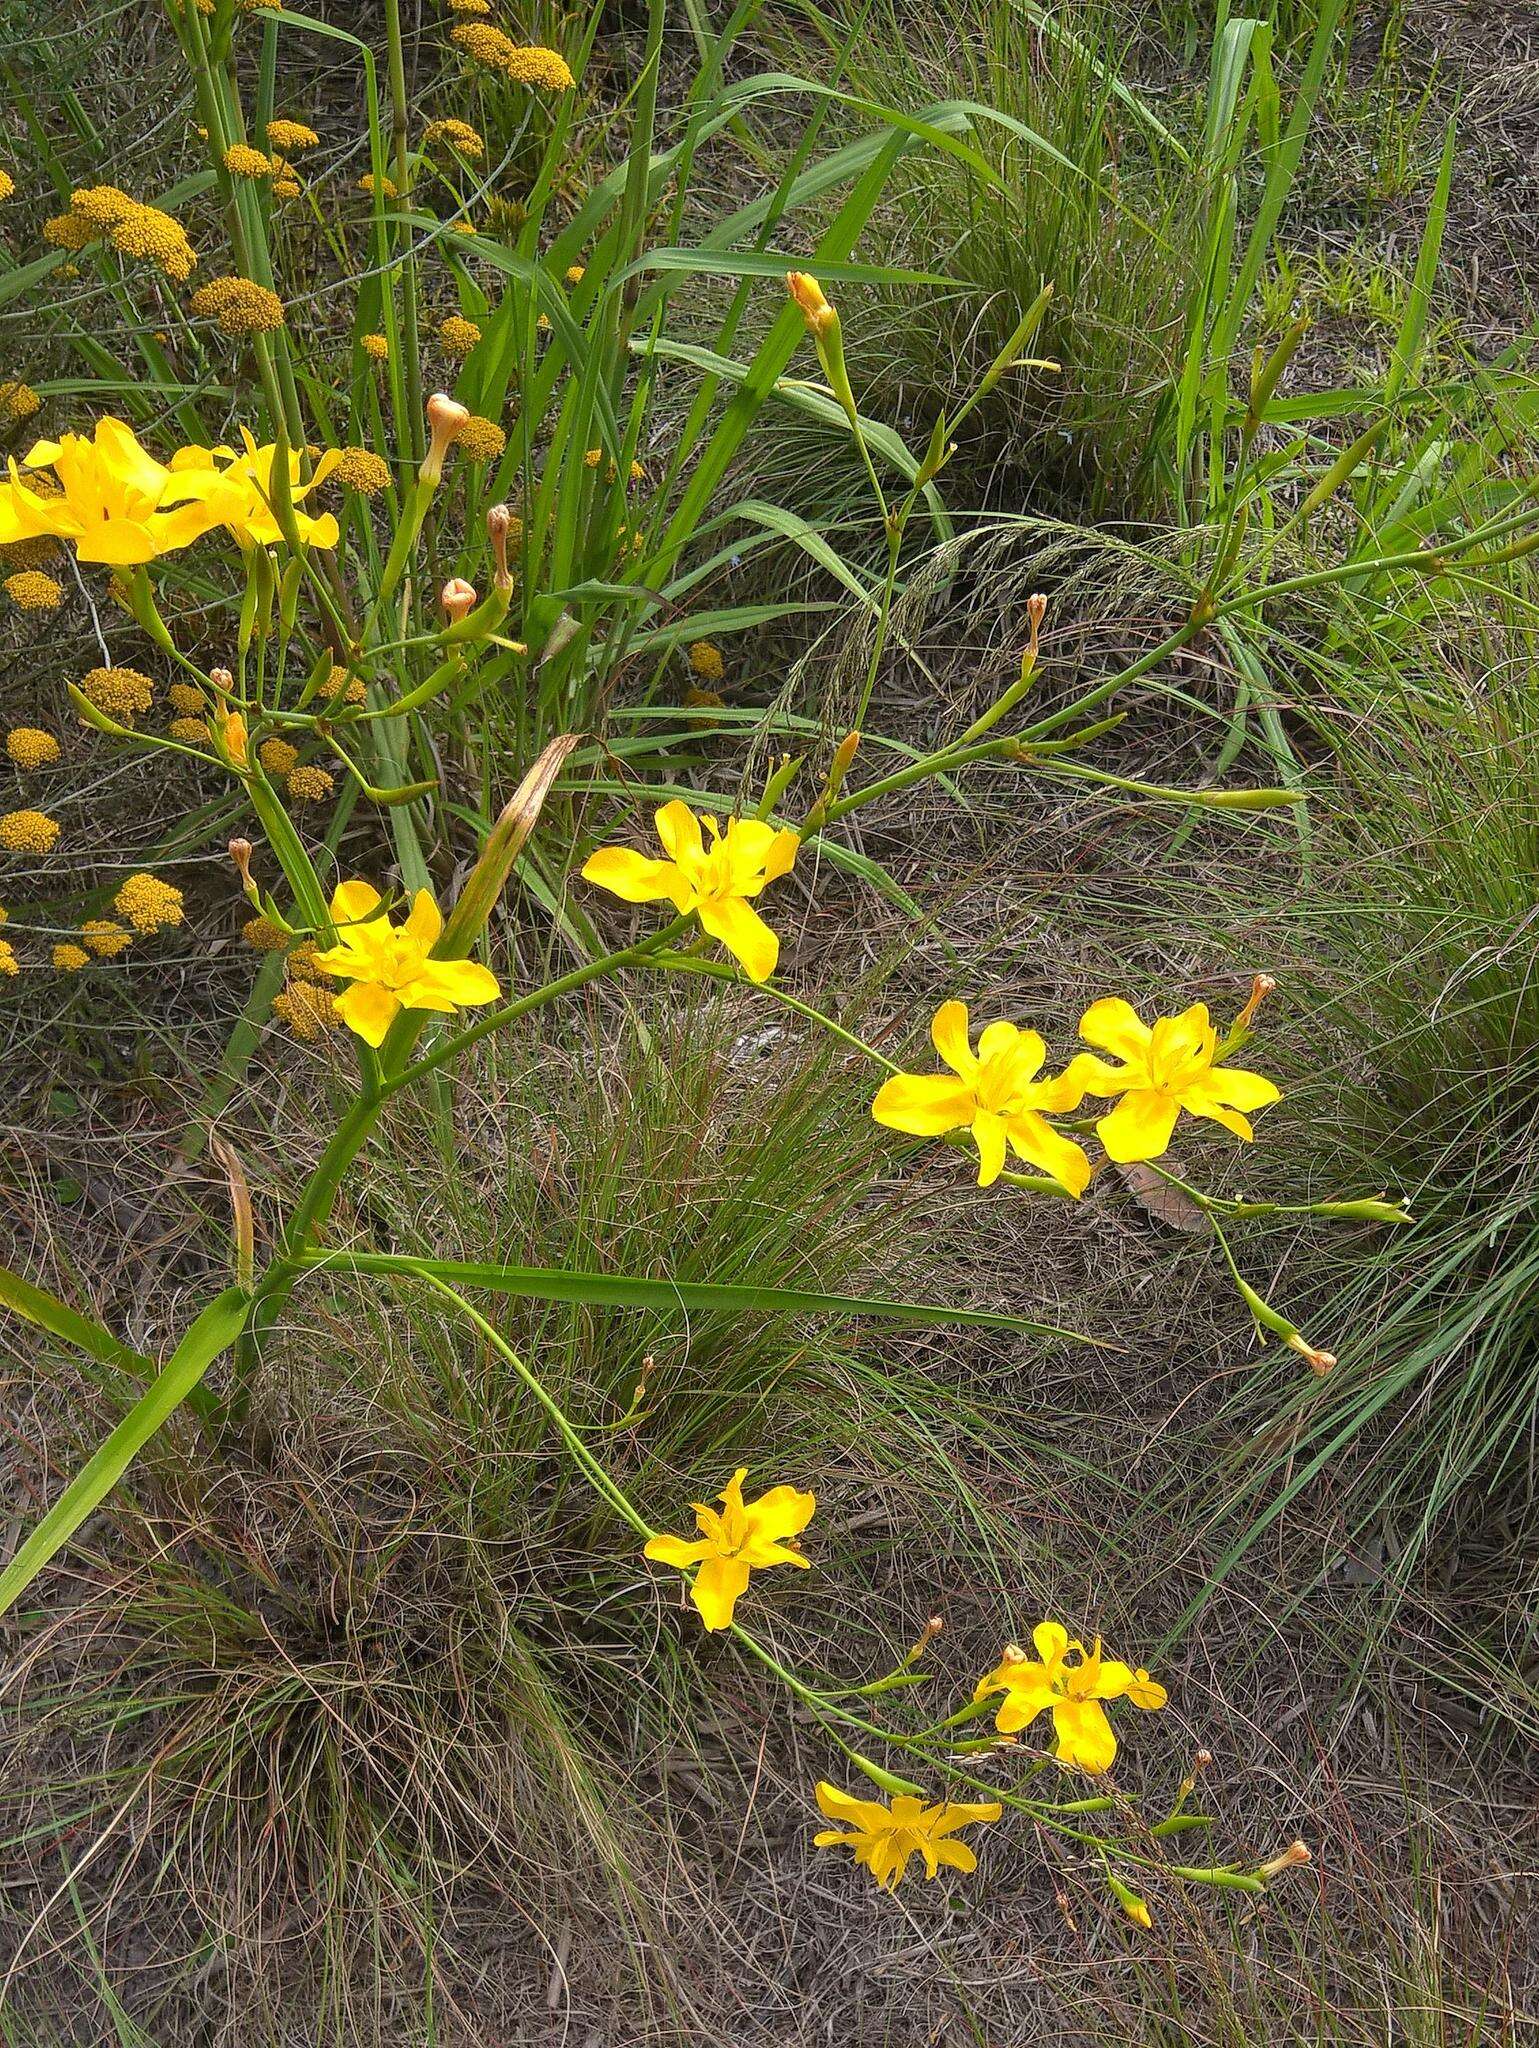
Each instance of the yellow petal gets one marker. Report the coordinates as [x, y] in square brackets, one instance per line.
[774, 1517]
[719, 1584]
[1140, 1126]
[1085, 1735]
[675, 1550]
[1115, 1026]
[989, 1136]
[678, 828]
[352, 902]
[1040, 1145]
[1147, 1692]
[1051, 1639]
[1061, 1093]
[836, 1804]
[449, 985]
[949, 1034]
[424, 923]
[744, 934]
[1001, 1037]
[924, 1105]
[1241, 1089]
[369, 1010]
[630, 875]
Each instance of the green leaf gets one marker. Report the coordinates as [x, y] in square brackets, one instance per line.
[213, 1331]
[630, 1290]
[36, 1305]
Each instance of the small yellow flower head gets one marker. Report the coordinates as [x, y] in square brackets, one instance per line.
[361, 470]
[263, 936]
[576, 272]
[458, 136]
[242, 161]
[375, 346]
[186, 698]
[122, 693]
[277, 756]
[390, 966]
[339, 684]
[592, 457]
[148, 903]
[716, 882]
[1166, 1067]
[457, 336]
[387, 187]
[7, 185]
[470, 6]
[18, 401]
[102, 207]
[309, 785]
[524, 64]
[299, 962]
[638, 474]
[993, 1092]
[286, 188]
[30, 748]
[481, 440]
[192, 732]
[237, 305]
[8, 961]
[70, 231]
[886, 1838]
[289, 138]
[309, 1010]
[30, 590]
[28, 832]
[147, 233]
[104, 938]
[706, 662]
[69, 958]
[742, 1537]
[1073, 1691]
[815, 309]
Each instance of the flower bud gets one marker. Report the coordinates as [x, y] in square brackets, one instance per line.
[499, 521]
[240, 853]
[815, 309]
[1320, 1362]
[222, 680]
[457, 598]
[446, 420]
[1261, 987]
[1290, 1859]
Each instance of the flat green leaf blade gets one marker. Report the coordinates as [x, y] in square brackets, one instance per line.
[629, 1290]
[213, 1331]
[37, 1305]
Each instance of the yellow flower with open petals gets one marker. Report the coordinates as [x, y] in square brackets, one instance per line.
[715, 881]
[389, 965]
[885, 1838]
[109, 502]
[235, 491]
[1073, 1691]
[743, 1537]
[995, 1094]
[1166, 1067]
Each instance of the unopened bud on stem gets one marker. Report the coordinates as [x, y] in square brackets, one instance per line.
[499, 521]
[1290, 1859]
[819, 315]
[457, 598]
[446, 422]
[1261, 987]
[240, 853]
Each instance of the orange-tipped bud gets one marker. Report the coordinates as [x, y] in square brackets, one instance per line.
[499, 524]
[222, 680]
[1261, 987]
[457, 598]
[1320, 1362]
[1290, 1859]
[815, 309]
[446, 419]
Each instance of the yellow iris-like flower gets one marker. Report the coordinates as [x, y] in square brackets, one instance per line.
[1166, 1067]
[715, 881]
[389, 965]
[885, 1838]
[109, 501]
[1073, 1691]
[995, 1094]
[235, 492]
[742, 1538]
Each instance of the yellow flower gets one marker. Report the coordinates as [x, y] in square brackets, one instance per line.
[525, 64]
[996, 1095]
[310, 785]
[18, 401]
[108, 501]
[120, 692]
[147, 232]
[69, 959]
[232, 731]
[386, 186]
[576, 272]
[31, 590]
[339, 684]
[290, 137]
[192, 732]
[8, 961]
[1073, 1692]
[277, 756]
[242, 161]
[235, 492]
[458, 336]
[1166, 1067]
[28, 832]
[813, 306]
[456, 135]
[389, 966]
[884, 1838]
[148, 903]
[375, 346]
[30, 748]
[237, 306]
[742, 1538]
[714, 881]
[286, 188]
[105, 938]
[185, 697]
[263, 936]
[308, 1010]
[481, 440]
[705, 659]
[361, 470]
[7, 185]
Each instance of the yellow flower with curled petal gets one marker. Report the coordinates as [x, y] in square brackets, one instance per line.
[743, 1537]
[1073, 1691]
[715, 881]
[885, 1838]
[1166, 1067]
[109, 501]
[995, 1094]
[389, 965]
[235, 492]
